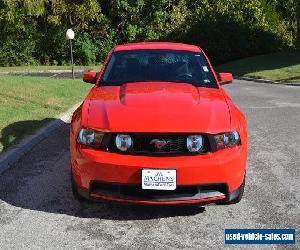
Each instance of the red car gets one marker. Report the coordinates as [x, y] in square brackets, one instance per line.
[158, 128]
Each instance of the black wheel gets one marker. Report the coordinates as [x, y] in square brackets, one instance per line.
[234, 197]
[75, 192]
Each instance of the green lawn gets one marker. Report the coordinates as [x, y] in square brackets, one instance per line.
[45, 68]
[282, 66]
[27, 103]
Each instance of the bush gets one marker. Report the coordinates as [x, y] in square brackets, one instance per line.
[236, 31]
[17, 52]
[53, 47]
[85, 50]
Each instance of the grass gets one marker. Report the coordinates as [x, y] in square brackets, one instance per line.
[282, 66]
[45, 68]
[27, 103]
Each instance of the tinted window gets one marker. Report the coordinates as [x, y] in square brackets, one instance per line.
[158, 65]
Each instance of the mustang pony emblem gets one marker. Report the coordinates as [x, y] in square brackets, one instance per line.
[159, 144]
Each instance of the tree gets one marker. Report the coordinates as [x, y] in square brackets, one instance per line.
[33, 31]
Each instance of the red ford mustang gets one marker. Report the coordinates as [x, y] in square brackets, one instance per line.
[158, 128]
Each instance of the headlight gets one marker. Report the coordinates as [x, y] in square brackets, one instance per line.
[90, 137]
[227, 140]
[194, 143]
[123, 142]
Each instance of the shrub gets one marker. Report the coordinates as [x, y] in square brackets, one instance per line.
[235, 30]
[16, 52]
[85, 50]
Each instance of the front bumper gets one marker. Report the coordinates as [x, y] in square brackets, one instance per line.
[213, 177]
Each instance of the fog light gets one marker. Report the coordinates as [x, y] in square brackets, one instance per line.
[194, 143]
[123, 142]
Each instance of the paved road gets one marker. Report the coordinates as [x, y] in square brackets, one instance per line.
[37, 208]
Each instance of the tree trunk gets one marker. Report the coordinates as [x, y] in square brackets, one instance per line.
[298, 26]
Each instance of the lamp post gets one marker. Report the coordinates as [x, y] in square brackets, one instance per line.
[70, 36]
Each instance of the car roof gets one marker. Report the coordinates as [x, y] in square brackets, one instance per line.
[157, 45]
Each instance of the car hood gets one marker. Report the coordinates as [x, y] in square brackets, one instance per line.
[157, 107]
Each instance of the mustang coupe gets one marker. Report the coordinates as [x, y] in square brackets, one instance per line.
[158, 128]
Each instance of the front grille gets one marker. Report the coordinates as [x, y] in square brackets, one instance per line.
[135, 192]
[146, 143]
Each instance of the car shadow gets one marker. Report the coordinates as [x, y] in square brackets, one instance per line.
[40, 181]
[14, 133]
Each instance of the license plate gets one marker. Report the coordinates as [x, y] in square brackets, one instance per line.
[159, 179]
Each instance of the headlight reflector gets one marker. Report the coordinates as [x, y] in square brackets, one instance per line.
[227, 140]
[194, 143]
[90, 137]
[123, 142]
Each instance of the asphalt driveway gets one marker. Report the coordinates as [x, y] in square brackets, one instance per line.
[37, 209]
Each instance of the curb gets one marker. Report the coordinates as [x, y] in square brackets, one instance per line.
[16, 152]
[45, 73]
[258, 80]
[42, 71]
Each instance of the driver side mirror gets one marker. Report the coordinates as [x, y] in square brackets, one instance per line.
[225, 78]
[90, 77]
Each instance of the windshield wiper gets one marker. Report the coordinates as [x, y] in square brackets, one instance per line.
[196, 84]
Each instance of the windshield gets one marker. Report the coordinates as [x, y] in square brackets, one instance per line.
[158, 66]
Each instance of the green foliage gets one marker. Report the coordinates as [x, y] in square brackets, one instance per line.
[227, 29]
[52, 47]
[85, 50]
[17, 48]
[237, 29]
[16, 54]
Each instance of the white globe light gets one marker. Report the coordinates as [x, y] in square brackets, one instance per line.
[70, 34]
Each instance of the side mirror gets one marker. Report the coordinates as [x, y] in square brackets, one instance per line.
[90, 77]
[225, 78]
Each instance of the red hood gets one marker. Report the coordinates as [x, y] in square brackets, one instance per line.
[158, 107]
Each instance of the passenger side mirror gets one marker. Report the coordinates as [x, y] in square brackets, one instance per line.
[90, 77]
[225, 78]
